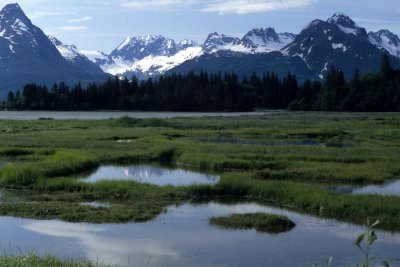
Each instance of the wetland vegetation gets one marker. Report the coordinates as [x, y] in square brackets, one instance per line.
[31, 260]
[46, 157]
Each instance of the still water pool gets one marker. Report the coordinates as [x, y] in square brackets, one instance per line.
[102, 115]
[150, 174]
[313, 143]
[183, 237]
[387, 189]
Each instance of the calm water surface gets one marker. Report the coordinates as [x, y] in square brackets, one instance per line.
[100, 115]
[265, 143]
[183, 237]
[152, 175]
[387, 189]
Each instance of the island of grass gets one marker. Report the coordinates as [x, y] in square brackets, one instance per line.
[261, 222]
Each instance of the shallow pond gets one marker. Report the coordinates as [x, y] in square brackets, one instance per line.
[266, 143]
[96, 204]
[183, 237]
[387, 189]
[101, 115]
[152, 175]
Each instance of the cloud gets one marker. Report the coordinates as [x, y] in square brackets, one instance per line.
[82, 19]
[254, 6]
[44, 14]
[74, 28]
[158, 4]
[221, 6]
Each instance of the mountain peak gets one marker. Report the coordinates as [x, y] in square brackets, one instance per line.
[267, 35]
[342, 20]
[12, 11]
[387, 41]
[12, 7]
[186, 43]
[13, 19]
[347, 25]
[220, 39]
[340, 15]
[137, 48]
[55, 41]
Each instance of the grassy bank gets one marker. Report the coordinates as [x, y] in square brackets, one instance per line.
[40, 261]
[280, 158]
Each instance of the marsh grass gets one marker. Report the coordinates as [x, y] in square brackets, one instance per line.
[31, 260]
[309, 198]
[56, 151]
[261, 222]
[60, 163]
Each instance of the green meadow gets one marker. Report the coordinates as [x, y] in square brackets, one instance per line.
[288, 160]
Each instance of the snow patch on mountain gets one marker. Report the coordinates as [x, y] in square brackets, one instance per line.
[124, 43]
[186, 44]
[219, 42]
[386, 40]
[137, 48]
[264, 41]
[346, 24]
[94, 55]
[19, 27]
[339, 46]
[255, 41]
[69, 52]
[156, 65]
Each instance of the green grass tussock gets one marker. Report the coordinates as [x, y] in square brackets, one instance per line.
[310, 198]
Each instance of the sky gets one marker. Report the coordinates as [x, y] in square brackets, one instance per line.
[103, 24]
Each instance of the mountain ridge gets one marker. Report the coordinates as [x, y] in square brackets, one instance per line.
[25, 51]
[340, 46]
[27, 55]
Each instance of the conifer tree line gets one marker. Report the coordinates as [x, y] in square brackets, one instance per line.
[219, 92]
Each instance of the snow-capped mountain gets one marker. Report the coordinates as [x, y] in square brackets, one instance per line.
[266, 40]
[145, 56]
[255, 41]
[182, 45]
[27, 55]
[219, 42]
[153, 55]
[387, 41]
[338, 42]
[157, 65]
[347, 25]
[18, 35]
[73, 55]
[137, 48]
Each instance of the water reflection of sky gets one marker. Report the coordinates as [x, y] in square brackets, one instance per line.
[183, 237]
[275, 143]
[151, 174]
[102, 115]
[390, 188]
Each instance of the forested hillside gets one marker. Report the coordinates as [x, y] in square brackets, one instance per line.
[220, 92]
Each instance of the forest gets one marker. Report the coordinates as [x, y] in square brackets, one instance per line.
[220, 92]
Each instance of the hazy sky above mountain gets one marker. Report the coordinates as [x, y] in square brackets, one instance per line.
[102, 25]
